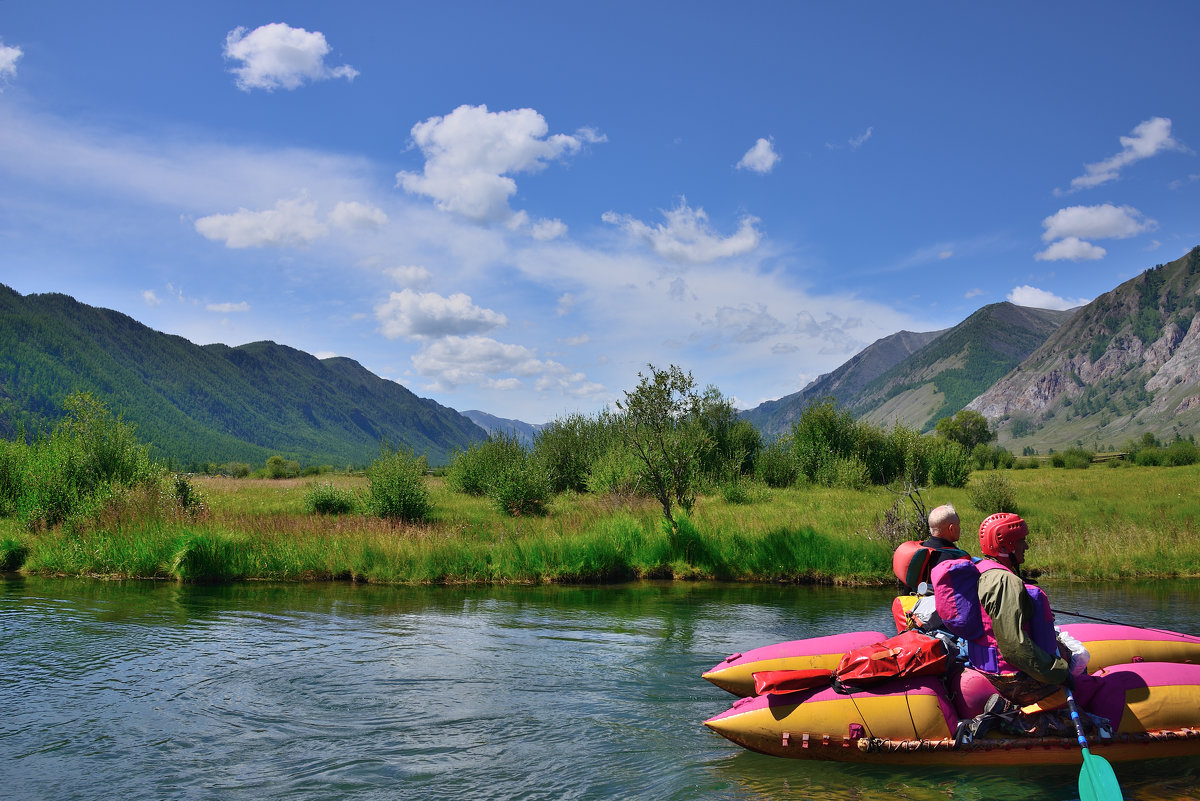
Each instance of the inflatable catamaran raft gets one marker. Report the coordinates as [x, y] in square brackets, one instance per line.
[1145, 682]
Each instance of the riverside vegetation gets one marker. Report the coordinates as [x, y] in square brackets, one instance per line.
[672, 484]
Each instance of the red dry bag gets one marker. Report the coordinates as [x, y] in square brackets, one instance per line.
[909, 654]
[790, 681]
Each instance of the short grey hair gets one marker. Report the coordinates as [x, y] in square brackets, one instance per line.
[942, 515]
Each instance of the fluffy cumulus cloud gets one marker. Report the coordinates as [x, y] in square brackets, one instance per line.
[151, 298]
[1069, 229]
[278, 56]
[1149, 138]
[687, 237]
[1041, 299]
[457, 360]
[9, 56]
[761, 158]
[292, 223]
[471, 154]
[428, 315]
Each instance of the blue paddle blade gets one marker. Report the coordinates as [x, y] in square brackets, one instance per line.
[1097, 782]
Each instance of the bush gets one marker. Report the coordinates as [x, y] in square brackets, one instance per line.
[396, 486]
[777, 465]
[1027, 463]
[470, 470]
[1179, 453]
[521, 486]
[949, 463]
[278, 467]
[616, 472]
[1076, 459]
[993, 493]
[568, 448]
[323, 498]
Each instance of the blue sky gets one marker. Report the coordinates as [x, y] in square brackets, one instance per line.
[515, 207]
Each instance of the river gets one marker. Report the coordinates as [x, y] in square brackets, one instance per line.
[157, 690]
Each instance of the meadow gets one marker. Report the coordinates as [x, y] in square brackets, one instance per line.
[1086, 524]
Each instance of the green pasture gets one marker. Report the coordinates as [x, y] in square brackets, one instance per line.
[1093, 524]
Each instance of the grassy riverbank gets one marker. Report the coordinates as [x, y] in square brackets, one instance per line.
[1093, 524]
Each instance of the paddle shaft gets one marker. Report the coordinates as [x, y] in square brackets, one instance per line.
[1097, 782]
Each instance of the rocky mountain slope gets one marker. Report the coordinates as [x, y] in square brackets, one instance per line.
[1126, 364]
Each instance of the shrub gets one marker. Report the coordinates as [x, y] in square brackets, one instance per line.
[468, 473]
[184, 493]
[1027, 463]
[993, 493]
[323, 498]
[777, 465]
[12, 554]
[520, 486]
[949, 463]
[569, 447]
[905, 520]
[1181, 452]
[616, 472]
[278, 467]
[1148, 457]
[1076, 459]
[396, 486]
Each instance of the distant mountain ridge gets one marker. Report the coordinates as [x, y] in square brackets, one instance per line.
[915, 379]
[525, 432]
[844, 384]
[209, 403]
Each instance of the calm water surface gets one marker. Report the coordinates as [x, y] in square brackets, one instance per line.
[253, 691]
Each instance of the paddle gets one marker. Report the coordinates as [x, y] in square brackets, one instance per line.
[1097, 782]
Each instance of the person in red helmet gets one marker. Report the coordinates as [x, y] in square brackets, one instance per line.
[1007, 624]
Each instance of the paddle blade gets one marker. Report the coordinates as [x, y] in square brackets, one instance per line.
[1097, 782]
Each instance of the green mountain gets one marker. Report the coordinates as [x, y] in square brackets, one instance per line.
[844, 384]
[916, 379]
[211, 403]
[1125, 365]
[946, 375]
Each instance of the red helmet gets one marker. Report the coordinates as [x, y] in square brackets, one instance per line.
[1000, 532]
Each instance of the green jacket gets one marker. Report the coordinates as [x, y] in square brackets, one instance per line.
[1002, 595]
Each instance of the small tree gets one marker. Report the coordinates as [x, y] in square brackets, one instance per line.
[968, 428]
[661, 426]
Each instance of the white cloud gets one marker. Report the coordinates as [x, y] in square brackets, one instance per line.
[861, 140]
[325, 354]
[761, 158]
[574, 342]
[354, 215]
[1149, 138]
[226, 308]
[1071, 249]
[292, 223]
[414, 276]
[428, 315]
[945, 254]
[1182, 182]
[687, 236]
[457, 360]
[151, 298]
[278, 55]
[566, 304]
[973, 293]
[1105, 221]
[471, 152]
[8, 61]
[546, 230]
[1041, 299]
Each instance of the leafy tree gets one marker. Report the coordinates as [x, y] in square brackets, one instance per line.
[661, 426]
[968, 428]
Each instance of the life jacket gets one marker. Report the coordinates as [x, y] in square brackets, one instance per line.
[956, 596]
[913, 560]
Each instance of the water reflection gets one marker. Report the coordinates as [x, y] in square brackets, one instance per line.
[254, 690]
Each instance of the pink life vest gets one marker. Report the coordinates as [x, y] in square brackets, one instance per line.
[956, 598]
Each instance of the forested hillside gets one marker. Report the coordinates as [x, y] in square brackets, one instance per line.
[212, 403]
